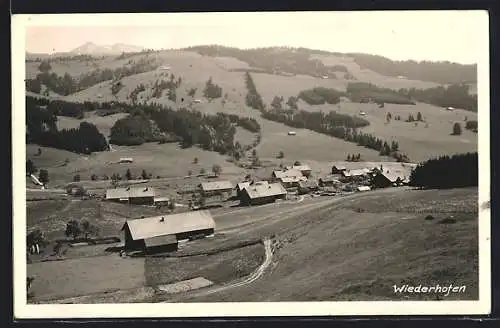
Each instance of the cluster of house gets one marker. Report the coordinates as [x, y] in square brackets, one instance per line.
[165, 232]
[376, 177]
[293, 179]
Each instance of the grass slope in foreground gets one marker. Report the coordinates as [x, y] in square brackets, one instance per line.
[358, 249]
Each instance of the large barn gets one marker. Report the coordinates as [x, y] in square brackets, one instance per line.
[132, 195]
[162, 233]
[390, 179]
[261, 194]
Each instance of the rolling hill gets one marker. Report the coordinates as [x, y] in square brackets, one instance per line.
[419, 140]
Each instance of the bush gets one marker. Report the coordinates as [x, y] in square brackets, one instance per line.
[457, 129]
[429, 217]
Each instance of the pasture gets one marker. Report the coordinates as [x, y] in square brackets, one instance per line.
[164, 160]
[337, 253]
[420, 140]
[369, 76]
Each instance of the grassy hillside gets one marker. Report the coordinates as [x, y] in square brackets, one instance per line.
[418, 142]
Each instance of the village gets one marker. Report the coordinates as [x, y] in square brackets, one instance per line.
[187, 217]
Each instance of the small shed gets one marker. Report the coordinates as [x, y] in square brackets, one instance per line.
[363, 188]
[126, 160]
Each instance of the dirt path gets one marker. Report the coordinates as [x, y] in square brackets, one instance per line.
[248, 280]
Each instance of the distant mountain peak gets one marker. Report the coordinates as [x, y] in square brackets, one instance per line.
[91, 48]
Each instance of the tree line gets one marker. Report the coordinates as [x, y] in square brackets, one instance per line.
[212, 90]
[457, 171]
[156, 122]
[210, 132]
[455, 95]
[439, 72]
[275, 60]
[136, 129]
[41, 128]
[66, 84]
[363, 92]
[320, 96]
[253, 98]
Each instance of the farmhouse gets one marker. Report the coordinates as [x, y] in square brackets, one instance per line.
[290, 173]
[307, 186]
[355, 175]
[388, 179]
[338, 169]
[216, 188]
[162, 233]
[291, 182]
[327, 181]
[132, 195]
[261, 194]
[304, 169]
[126, 160]
[242, 185]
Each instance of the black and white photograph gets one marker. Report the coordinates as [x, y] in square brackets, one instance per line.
[251, 164]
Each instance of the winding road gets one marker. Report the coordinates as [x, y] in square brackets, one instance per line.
[248, 280]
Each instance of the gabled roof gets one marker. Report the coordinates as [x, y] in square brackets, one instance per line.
[243, 185]
[301, 167]
[287, 173]
[328, 178]
[355, 173]
[393, 176]
[216, 185]
[292, 179]
[259, 191]
[130, 192]
[172, 224]
[364, 188]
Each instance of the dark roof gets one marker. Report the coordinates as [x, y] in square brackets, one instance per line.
[160, 240]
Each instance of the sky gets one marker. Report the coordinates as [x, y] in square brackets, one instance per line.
[454, 36]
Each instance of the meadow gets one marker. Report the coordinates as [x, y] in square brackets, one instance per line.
[420, 142]
[338, 253]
